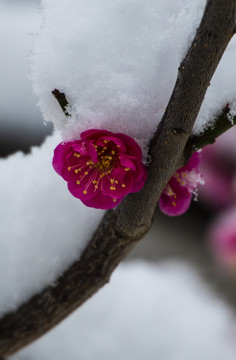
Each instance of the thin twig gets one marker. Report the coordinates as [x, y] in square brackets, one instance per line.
[62, 101]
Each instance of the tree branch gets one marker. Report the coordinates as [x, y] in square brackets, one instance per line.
[223, 123]
[123, 227]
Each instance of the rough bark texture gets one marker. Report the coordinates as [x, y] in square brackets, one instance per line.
[122, 228]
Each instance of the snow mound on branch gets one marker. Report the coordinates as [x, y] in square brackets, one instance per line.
[43, 227]
[117, 62]
[221, 91]
[146, 312]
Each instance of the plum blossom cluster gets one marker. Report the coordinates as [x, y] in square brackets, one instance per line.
[101, 168]
[176, 197]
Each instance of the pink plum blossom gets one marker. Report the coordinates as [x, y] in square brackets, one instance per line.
[218, 166]
[101, 168]
[176, 197]
[222, 238]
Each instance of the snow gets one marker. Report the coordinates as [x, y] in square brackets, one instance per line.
[43, 227]
[117, 63]
[146, 312]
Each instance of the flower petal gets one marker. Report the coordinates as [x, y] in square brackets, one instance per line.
[59, 155]
[92, 152]
[176, 197]
[101, 201]
[193, 162]
[116, 189]
[80, 191]
[127, 162]
[133, 149]
[174, 207]
[95, 133]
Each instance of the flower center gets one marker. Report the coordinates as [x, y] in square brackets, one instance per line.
[107, 158]
[105, 163]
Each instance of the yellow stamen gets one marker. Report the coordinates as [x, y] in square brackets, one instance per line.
[173, 203]
[85, 192]
[123, 185]
[114, 200]
[127, 169]
[69, 168]
[78, 182]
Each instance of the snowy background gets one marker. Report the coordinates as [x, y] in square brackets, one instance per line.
[150, 309]
[146, 312]
[21, 124]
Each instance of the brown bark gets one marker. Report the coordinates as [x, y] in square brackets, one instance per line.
[122, 228]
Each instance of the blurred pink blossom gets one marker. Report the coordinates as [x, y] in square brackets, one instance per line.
[219, 169]
[222, 237]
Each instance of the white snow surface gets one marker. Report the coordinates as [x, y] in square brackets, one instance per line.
[117, 61]
[146, 312]
[43, 227]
